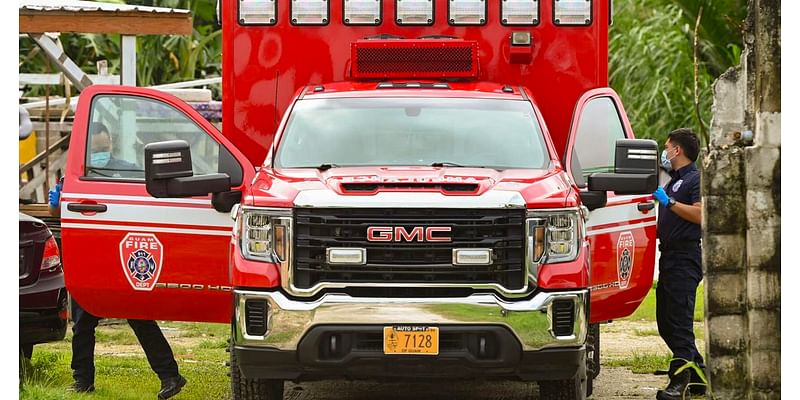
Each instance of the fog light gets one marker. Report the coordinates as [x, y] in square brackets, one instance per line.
[346, 256]
[472, 256]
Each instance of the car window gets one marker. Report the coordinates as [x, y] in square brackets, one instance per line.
[120, 127]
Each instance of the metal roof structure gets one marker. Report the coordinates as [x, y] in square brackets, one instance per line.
[37, 16]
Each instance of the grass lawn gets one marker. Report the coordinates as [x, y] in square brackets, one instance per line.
[122, 371]
[647, 310]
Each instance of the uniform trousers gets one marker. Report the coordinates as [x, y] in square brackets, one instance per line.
[155, 346]
[680, 272]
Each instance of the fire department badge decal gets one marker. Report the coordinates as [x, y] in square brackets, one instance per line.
[141, 255]
[625, 250]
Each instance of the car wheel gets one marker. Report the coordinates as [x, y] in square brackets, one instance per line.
[566, 389]
[592, 357]
[252, 389]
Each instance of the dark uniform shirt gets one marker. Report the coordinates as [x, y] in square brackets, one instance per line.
[684, 188]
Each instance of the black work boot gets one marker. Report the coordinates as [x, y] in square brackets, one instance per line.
[171, 386]
[81, 387]
[676, 388]
[697, 387]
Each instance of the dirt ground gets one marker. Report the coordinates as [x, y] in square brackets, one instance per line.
[620, 340]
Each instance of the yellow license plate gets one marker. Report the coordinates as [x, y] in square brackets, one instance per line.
[419, 340]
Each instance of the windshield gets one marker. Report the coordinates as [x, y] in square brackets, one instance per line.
[500, 134]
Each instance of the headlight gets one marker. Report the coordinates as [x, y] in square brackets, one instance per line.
[553, 236]
[263, 234]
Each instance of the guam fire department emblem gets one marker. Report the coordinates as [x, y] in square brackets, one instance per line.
[141, 255]
[625, 248]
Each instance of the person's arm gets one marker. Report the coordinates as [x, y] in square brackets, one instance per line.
[54, 199]
[689, 212]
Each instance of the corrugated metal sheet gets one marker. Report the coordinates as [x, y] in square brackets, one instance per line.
[84, 6]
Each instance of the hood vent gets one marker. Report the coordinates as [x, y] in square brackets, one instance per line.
[444, 187]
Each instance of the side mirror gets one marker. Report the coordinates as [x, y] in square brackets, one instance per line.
[635, 169]
[168, 172]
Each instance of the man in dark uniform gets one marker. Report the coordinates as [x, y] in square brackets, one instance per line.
[156, 348]
[680, 267]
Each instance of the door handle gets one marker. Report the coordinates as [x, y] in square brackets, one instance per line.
[82, 207]
[645, 207]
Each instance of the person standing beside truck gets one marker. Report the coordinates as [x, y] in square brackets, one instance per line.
[157, 349]
[680, 266]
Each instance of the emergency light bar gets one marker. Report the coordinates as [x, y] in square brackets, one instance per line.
[309, 12]
[519, 12]
[414, 58]
[572, 12]
[257, 12]
[362, 12]
[466, 12]
[414, 12]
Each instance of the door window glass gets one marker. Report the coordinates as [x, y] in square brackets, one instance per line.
[599, 127]
[120, 127]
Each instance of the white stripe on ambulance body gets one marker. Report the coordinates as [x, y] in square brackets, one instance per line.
[154, 215]
[145, 199]
[618, 213]
[144, 229]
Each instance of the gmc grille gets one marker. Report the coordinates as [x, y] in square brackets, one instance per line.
[315, 230]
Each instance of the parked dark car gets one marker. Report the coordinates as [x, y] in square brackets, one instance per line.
[42, 295]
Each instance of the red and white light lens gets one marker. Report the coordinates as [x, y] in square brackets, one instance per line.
[51, 259]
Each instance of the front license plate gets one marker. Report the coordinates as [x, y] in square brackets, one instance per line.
[419, 340]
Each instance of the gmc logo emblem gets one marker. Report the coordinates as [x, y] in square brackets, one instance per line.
[400, 234]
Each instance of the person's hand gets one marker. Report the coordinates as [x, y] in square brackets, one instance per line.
[661, 195]
[54, 195]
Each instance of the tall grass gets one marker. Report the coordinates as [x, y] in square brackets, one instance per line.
[651, 67]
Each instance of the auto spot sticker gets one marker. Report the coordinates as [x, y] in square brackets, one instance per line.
[141, 255]
[625, 247]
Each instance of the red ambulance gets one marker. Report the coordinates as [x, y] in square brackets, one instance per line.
[402, 189]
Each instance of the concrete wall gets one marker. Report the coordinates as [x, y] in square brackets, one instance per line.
[741, 218]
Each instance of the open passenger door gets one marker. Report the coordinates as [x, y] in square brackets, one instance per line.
[127, 254]
[621, 230]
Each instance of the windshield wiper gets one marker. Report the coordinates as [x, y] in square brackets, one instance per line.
[452, 164]
[445, 164]
[325, 166]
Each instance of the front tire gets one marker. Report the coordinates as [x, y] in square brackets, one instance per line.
[252, 389]
[566, 389]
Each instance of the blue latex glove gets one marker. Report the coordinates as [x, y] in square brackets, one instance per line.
[54, 195]
[661, 195]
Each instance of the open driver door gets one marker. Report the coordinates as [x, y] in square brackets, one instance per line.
[621, 228]
[126, 253]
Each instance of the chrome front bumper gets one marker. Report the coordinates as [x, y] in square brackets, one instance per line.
[529, 320]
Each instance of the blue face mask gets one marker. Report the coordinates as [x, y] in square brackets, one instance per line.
[665, 162]
[100, 159]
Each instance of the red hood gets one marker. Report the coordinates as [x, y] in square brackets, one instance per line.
[537, 188]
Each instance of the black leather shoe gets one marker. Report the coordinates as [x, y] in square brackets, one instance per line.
[79, 387]
[171, 386]
[676, 388]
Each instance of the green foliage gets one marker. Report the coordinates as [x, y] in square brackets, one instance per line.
[640, 363]
[651, 60]
[160, 58]
[647, 310]
[127, 375]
